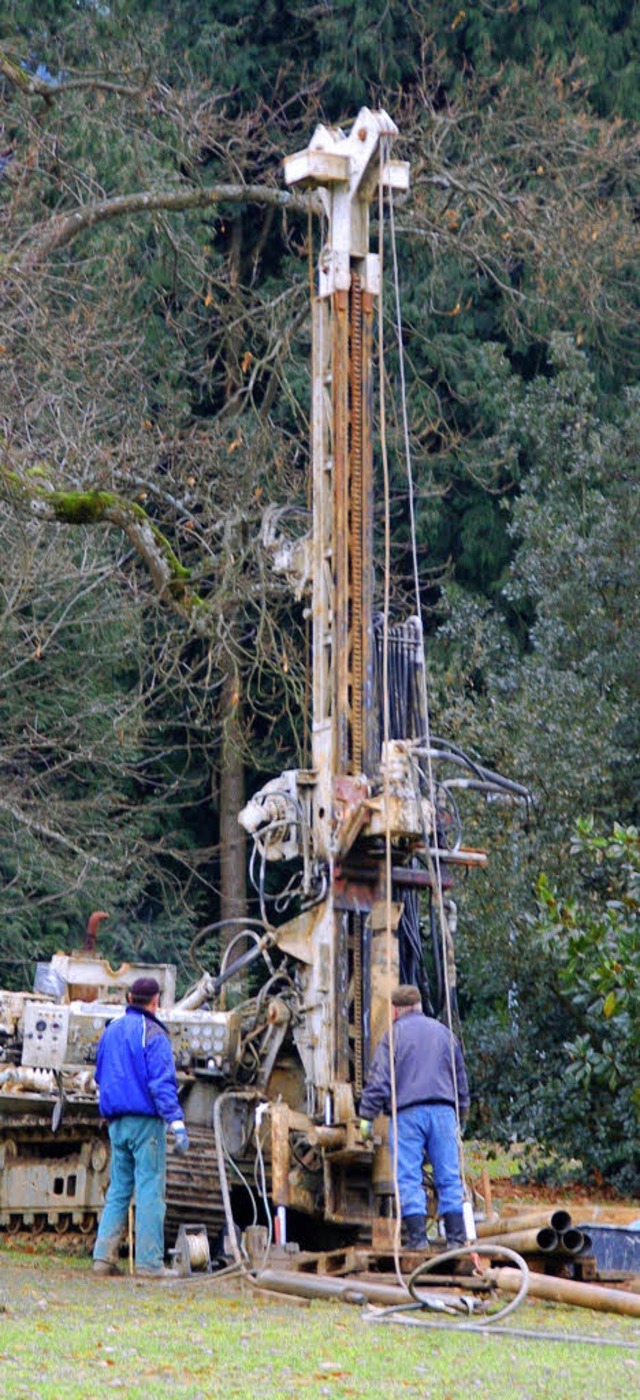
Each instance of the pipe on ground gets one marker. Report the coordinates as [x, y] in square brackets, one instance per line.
[348, 1290]
[567, 1290]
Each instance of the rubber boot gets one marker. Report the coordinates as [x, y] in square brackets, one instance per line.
[456, 1234]
[454, 1228]
[416, 1231]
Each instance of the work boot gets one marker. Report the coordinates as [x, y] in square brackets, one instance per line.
[105, 1268]
[454, 1228]
[456, 1233]
[416, 1231]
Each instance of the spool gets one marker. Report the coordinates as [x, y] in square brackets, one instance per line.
[191, 1253]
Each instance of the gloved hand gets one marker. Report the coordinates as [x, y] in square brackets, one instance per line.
[366, 1129]
[181, 1136]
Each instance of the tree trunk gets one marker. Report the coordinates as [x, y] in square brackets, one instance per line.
[233, 888]
[233, 897]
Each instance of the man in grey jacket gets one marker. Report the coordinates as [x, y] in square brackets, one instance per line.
[429, 1074]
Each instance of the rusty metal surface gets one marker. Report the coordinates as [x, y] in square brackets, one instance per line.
[357, 717]
[280, 1153]
[370, 747]
[544, 1240]
[52, 1181]
[558, 1219]
[341, 534]
[564, 1290]
[313, 1286]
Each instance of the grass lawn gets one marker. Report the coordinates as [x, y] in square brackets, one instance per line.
[67, 1336]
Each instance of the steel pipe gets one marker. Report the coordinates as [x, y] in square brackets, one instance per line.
[566, 1290]
[572, 1241]
[319, 1136]
[559, 1220]
[543, 1241]
[349, 1290]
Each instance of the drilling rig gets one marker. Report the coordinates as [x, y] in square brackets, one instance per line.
[352, 843]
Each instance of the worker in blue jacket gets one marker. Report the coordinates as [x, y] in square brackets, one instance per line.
[429, 1075]
[136, 1076]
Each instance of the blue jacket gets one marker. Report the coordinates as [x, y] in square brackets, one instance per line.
[423, 1052]
[135, 1070]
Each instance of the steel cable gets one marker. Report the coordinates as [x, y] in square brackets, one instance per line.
[434, 860]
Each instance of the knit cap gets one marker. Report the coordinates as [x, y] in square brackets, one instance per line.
[143, 990]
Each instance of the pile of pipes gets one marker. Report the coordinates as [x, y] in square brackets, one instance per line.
[546, 1236]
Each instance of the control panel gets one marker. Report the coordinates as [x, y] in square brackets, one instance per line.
[208, 1041]
[46, 1031]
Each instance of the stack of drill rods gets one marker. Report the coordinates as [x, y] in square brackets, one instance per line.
[536, 1232]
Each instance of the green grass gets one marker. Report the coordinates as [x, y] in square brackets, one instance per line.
[68, 1336]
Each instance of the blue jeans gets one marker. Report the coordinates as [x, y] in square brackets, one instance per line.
[428, 1130]
[138, 1164]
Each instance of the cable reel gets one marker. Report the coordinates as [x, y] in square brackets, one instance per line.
[191, 1254]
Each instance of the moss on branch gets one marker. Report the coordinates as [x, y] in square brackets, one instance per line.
[95, 507]
[87, 507]
[90, 507]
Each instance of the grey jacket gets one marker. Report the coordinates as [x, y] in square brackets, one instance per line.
[423, 1067]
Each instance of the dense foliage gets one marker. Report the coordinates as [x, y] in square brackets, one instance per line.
[154, 347]
[586, 1101]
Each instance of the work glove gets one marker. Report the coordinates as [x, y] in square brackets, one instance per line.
[181, 1136]
[366, 1129]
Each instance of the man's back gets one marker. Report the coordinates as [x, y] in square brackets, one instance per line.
[425, 1053]
[135, 1069]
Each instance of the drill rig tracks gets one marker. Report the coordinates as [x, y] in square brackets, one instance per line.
[193, 1182]
[194, 1192]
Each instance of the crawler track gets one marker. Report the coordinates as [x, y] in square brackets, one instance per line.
[194, 1194]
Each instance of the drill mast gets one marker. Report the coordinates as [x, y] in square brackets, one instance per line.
[346, 988]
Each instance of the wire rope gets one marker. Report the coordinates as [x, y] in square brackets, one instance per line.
[435, 857]
[383, 153]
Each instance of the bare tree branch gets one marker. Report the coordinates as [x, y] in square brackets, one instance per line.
[33, 86]
[41, 829]
[64, 228]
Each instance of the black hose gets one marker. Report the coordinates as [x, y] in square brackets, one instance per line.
[437, 955]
